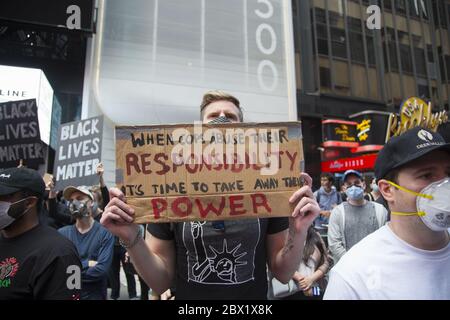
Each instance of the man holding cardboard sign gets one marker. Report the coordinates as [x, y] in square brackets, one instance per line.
[243, 205]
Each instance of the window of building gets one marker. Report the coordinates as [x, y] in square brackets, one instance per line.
[322, 46]
[400, 7]
[419, 57]
[424, 91]
[447, 61]
[320, 16]
[357, 45]
[393, 56]
[338, 43]
[354, 24]
[325, 77]
[430, 53]
[388, 5]
[370, 50]
[406, 58]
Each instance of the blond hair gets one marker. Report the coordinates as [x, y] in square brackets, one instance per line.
[217, 95]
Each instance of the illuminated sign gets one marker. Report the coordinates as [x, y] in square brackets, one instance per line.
[26, 83]
[357, 163]
[363, 129]
[167, 54]
[413, 113]
[339, 133]
[371, 130]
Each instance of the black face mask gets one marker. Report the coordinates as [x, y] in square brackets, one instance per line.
[18, 209]
[220, 119]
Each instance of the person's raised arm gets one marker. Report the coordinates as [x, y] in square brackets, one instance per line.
[100, 171]
[285, 248]
[153, 259]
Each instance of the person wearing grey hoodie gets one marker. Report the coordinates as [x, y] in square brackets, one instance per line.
[354, 219]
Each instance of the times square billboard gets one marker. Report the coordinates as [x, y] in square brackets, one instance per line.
[154, 59]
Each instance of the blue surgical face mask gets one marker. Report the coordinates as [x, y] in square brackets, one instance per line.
[355, 193]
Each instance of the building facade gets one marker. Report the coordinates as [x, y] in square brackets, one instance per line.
[344, 67]
[285, 59]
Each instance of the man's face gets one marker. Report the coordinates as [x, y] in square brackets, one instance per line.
[221, 108]
[417, 175]
[354, 180]
[82, 198]
[19, 203]
[324, 182]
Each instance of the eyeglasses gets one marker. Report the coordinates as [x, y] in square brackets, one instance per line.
[219, 225]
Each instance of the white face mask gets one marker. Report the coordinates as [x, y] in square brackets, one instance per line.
[5, 219]
[374, 187]
[433, 205]
[437, 210]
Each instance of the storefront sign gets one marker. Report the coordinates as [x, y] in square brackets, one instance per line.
[339, 133]
[357, 163]
[370, 129]
[415, 112]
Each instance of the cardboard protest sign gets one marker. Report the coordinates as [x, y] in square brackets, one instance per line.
[78, 153]
[47, 178]
[204, 172]
[19, 134]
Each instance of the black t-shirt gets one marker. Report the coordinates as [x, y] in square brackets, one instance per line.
[38, 264]
[217, 261]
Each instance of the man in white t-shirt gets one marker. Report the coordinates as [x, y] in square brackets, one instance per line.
[409, 258]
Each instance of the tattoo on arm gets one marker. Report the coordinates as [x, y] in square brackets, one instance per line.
[289, 243]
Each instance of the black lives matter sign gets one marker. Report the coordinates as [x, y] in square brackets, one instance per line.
[78, 153]
[19, 134]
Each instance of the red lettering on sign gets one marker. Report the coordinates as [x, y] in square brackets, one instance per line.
[184, 206]
[178, 211]
[158, 206]
[292, 159]
[237, 164]
[132, 161]
[165, 167]
[262, 202]
[145, 163]
[192, 167]
[210, 207]
[234, 206]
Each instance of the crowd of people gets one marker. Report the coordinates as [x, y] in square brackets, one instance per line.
[73, 213]
[382, 237]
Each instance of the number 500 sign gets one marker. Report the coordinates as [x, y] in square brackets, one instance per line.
[267, 49]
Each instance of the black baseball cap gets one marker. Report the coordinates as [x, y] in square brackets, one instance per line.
[16, 179]
[409, 146]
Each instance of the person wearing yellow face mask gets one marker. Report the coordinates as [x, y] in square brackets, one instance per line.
[409, 258]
